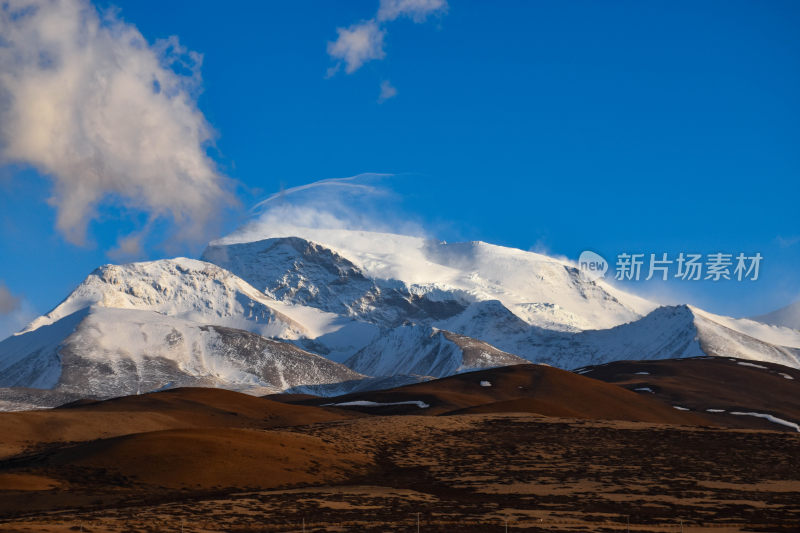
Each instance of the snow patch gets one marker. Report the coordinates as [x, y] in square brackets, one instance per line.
[771, 418]
[486, 384]
[752, 365]
[365, 403]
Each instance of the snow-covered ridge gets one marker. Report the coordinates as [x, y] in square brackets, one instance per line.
[521, 302]
[297, 272]
[181, 288]
[541, 290]
[104, 351]
[773, 334]
[745, 339]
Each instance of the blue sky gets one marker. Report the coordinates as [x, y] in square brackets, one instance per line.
[552, 126]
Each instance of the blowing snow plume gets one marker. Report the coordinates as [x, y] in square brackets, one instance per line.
[108, 117]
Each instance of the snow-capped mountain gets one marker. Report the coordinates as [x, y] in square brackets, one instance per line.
[100, 351]
[519, 302]
[788, 317]
[675, 332]
[302, 272]
[283, 312]
[665, 333]
[179, 288]
[441, 278]
[144, 326]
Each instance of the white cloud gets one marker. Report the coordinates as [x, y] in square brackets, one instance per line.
[128, 248]
[358, 185]
[417, 10]
[363, 42]
[109, 118]
[387, 91]
[15, 312]
[8, 302]
[358, 44]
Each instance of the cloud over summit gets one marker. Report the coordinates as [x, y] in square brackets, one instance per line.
[107, 116]
[365, 202]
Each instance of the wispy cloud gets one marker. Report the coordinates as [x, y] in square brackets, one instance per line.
[359, 43]
[128, 248]
[8, 302]
[786, 242]
[359, 185]
[387, 91]
[417, 10]
[15, 312]
[107, 116]
[363, 202]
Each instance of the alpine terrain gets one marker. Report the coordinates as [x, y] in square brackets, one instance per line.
[335, 311]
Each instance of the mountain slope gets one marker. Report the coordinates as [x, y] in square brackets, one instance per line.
[424, 351]
[170, 409]
[717, 386]
[110, 351]
[518, 388]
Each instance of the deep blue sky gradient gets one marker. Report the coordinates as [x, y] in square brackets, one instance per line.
[559, 126]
